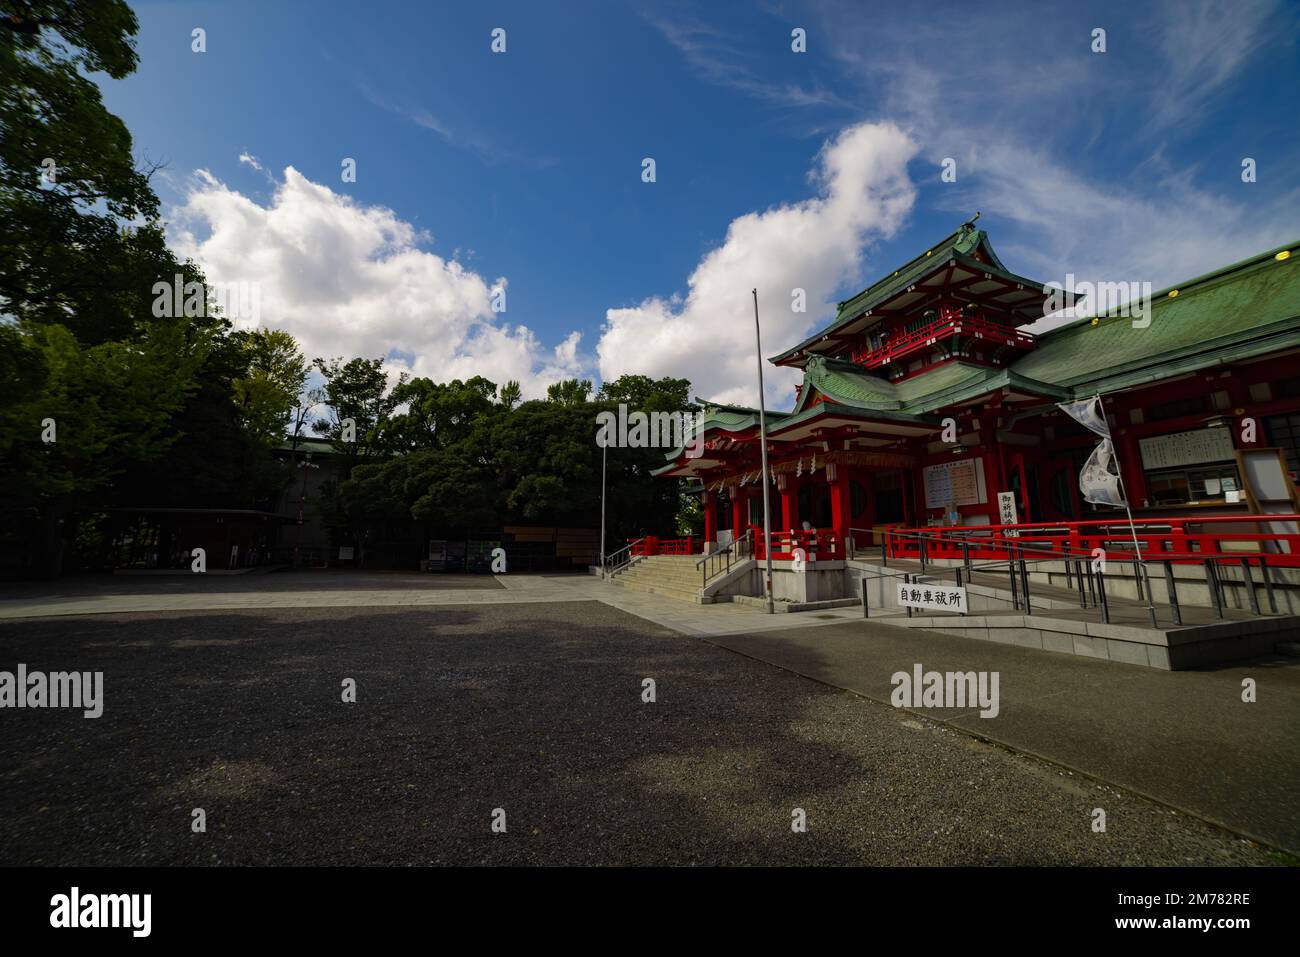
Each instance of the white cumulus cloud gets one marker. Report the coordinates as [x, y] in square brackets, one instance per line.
[862, 194]
[354, 280]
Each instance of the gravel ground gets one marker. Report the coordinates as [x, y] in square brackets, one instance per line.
[532, 708]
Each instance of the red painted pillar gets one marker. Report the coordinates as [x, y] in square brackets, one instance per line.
[739, 512]
[838, 476]
[789, 504]
[710, 517]
[1130, 462]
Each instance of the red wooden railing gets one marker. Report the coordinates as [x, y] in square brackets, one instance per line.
[1274, 537]
[650, 545]
[821, 544]
[948, 325]
[818, 544]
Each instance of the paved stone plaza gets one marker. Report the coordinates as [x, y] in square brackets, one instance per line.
[525, 693]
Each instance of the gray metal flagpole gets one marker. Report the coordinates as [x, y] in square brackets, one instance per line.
[762, 440]
[1132, 527]
[604, 456]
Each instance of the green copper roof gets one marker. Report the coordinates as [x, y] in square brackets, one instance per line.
[919, 391]
[735, 418]
[1247, 309]
[1255, 300]
[965, 240]
[847, 384]
[966, 246]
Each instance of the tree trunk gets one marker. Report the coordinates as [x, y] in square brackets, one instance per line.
[45, 559]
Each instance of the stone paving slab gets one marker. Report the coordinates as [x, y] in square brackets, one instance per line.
[722, 618]
[1184, 738]
[536, 708]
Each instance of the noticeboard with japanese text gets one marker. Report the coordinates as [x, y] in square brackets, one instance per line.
[959, 482]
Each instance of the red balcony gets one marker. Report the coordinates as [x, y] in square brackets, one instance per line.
[950, 323]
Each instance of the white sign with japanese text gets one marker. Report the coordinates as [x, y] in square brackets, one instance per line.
[1007, 513]
[935, 596]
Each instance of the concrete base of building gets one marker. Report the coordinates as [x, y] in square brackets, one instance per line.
[785, 606]
[1170, 649]
[1056, 622]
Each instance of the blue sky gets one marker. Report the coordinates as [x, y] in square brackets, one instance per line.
[523, 169]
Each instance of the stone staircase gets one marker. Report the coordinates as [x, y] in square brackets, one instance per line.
[673, 576]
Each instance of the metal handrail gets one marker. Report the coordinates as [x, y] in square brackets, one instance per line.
[1156, 533]
[1081, 568]
[733, 550]
[610, 566]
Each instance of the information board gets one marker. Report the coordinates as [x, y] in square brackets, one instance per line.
[1198, 447]
[959, 482]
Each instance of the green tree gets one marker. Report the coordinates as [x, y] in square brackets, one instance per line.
[141, 397]
[111, 406]
[569, 392]
[68, 180]
[642, 393]
[359, 402]
[437, 414]
[511, 394]
[267, 392]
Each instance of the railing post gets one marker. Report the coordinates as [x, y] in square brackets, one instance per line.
[965, 556]
[1173, 593]
[1212, 583]
[1024, 580]
[1011, 566]
[1101, 592]
[1078, 577]
[863, 582]
[1268, 584]
[920, 549]
[1151, 595]
[907, 580]
[1250, 585]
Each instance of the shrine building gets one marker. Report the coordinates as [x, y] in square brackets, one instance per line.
[943, 340]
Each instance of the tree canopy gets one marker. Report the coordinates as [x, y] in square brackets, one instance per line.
[112, 399]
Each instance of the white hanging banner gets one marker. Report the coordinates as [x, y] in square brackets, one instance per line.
[1088, 413]
[1097, 482]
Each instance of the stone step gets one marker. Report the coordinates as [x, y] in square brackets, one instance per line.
[678, 594]
[690, 587]
[662, 575]
[673, 570]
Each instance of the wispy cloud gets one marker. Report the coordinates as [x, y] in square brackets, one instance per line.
[484, 147]
[1206, 45]
[717, 56]
[1072, 154]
